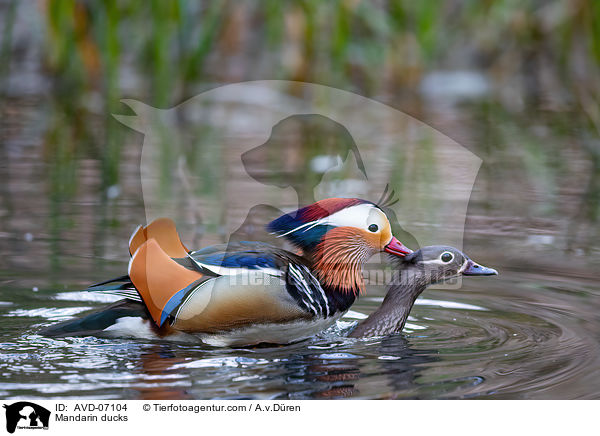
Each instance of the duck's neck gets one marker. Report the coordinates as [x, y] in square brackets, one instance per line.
[339, 272]
[342, 281]
[338, 260]
[391, 316]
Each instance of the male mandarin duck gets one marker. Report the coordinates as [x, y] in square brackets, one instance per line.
[246, 293]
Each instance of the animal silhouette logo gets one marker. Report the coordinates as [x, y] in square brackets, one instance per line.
[26, 415]
[229, 160]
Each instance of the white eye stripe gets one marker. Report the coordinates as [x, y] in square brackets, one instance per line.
[360, 216]
[434, 262]
[439, 260]
[354, 216]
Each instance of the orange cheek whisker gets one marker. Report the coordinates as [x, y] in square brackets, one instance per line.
[339, 259]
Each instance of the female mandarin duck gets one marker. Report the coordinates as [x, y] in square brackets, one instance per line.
[412, 275]
[247, 293]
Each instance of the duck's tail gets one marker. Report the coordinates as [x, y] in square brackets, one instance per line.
[158, 276]
[97, 322]
[120, 286]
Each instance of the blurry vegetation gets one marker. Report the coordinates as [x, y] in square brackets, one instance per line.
[371, 47]
[541, 59]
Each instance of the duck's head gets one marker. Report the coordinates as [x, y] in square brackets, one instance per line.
[339, 235]
[438, 262]
[416, 271]
[339, 220]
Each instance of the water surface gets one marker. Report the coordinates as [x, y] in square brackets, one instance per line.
[511, 337]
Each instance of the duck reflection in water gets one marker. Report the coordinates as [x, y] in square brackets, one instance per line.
[174, 372]
[155, 367]
[343, 377]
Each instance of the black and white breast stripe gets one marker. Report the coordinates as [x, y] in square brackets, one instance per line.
[307, 291]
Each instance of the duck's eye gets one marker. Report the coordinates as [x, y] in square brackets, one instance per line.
[373, 228]
[447, 257]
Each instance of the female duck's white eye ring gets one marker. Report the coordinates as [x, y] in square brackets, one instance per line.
[446, 257]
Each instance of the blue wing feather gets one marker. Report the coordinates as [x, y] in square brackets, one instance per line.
[246, 255]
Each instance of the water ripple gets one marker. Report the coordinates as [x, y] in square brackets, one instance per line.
[524, 342]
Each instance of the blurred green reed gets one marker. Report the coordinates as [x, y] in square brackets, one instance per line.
[6, 40]
[165, 52]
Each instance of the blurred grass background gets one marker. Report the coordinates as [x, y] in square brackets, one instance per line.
[516, 82]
